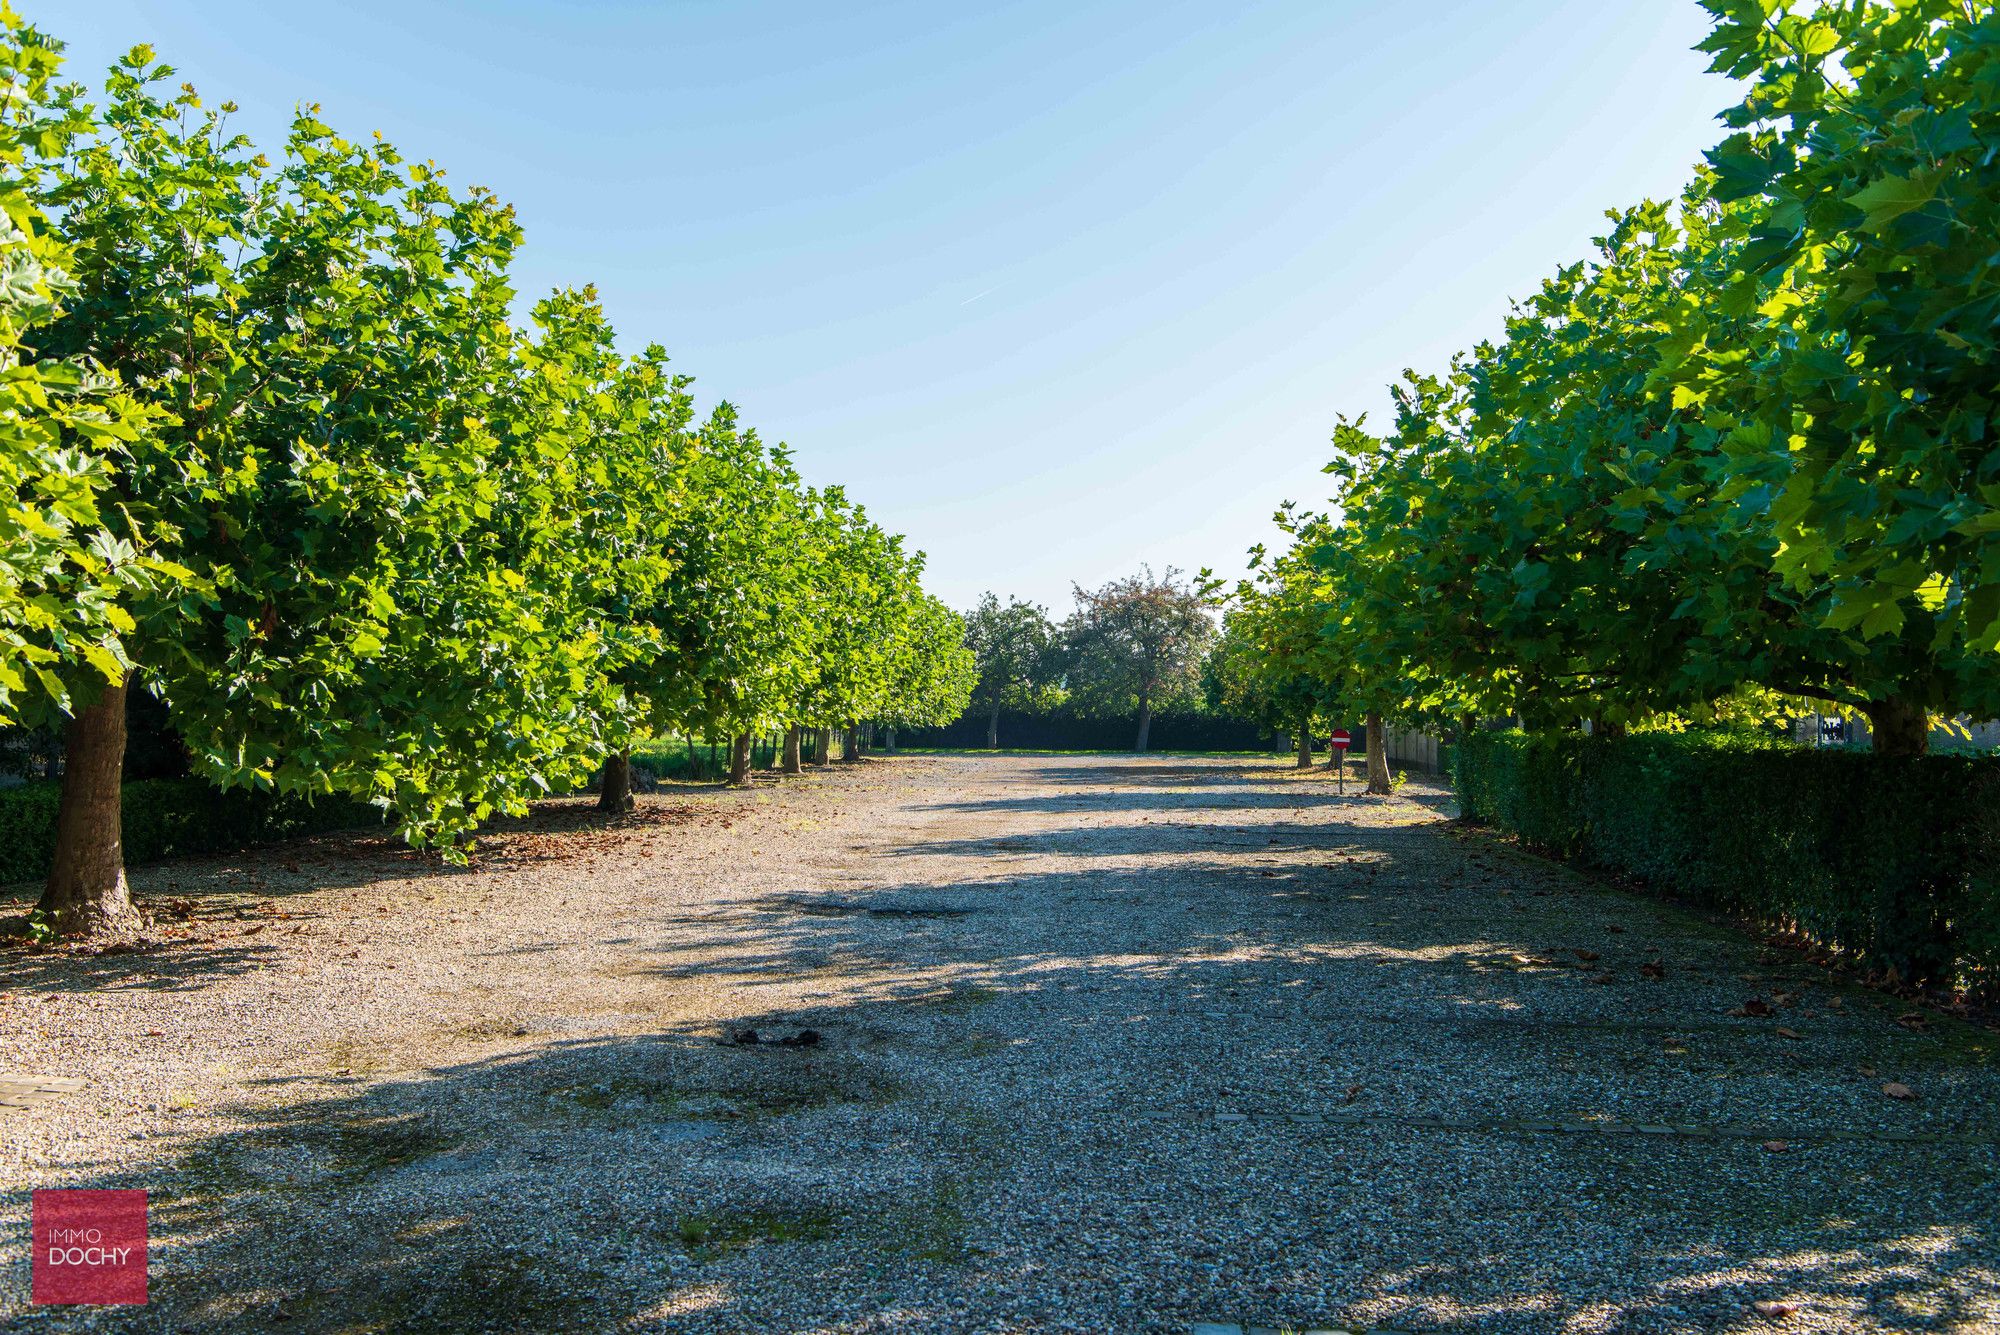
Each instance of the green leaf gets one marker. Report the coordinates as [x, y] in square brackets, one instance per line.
[1885, 200]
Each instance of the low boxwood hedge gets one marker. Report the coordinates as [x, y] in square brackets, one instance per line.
[1894, 862]
[169, 818]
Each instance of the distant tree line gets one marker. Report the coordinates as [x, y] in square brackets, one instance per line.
[1129, 652]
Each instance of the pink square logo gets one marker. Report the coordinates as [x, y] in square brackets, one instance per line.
[90, 1246]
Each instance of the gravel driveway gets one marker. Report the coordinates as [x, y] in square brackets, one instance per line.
[1042, 1044]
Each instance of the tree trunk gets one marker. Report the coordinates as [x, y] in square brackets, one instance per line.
[892, 741]
[739, 760]
[86, 892]
[850, 745]
[1378, 755]
[1145, 721]
[823, 746]
[791, 763]
[1897, 726]
[615, 792]
[993, 726]
[1305, 742]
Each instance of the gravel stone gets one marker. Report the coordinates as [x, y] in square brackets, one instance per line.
[1105, 1044]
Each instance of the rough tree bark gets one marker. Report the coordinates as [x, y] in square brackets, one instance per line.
[850, 745]
[1378, 755]
[791, 763]
[86, 891]
[615, 793]
[1897, 726]
[1145, 720]
[823, 752]
[891, 739]
[1305, 742]
[739, 760]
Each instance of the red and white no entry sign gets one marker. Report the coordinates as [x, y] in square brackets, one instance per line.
[1341, 738]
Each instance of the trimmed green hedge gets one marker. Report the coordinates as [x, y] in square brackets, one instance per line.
[168, 818]
[1894, 862]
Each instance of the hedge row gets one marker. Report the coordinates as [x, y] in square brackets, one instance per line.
[168, 818]
[1021, 730]
[1894, 862]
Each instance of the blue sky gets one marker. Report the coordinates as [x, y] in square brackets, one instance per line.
[1055, 287]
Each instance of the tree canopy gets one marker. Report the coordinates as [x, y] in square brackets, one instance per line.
[286, 459]
[1748, 448]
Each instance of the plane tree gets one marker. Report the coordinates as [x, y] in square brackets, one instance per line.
[1140, 638]
[382, 557]
[1013, 644]
[932, 670]
[1274, 661]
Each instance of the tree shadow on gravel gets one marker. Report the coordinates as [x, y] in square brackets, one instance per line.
[208, 910]
[1009, 1116]
[1153, 837]
[176, 967]
[667, 1182]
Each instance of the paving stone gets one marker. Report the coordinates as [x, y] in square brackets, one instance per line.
[25, 1091]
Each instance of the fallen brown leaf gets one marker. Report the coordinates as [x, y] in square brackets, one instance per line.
[1777, 1146]
[1896, 1089]
[1788, 1033]
[1772, 1310]
[1754, 1006]
[1587, 955]
[1653, 969]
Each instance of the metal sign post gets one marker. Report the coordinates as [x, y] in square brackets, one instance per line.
[1341, 739]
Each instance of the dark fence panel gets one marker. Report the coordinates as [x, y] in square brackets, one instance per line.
[1066, 732]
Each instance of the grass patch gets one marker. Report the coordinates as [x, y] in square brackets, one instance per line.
[359, 1149]
[501, 1291]
[959, 1000]
[713, 1234]
[933, 1228]
[656, 1100]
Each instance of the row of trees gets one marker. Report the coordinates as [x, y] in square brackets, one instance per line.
[1749, 450]
[1130, 647]
[278, 453]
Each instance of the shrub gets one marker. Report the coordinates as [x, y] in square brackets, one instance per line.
[1894, 862]
[169, 818]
